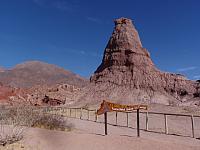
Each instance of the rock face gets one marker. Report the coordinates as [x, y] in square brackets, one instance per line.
[5, 92]
[60, 93]
[128, 74]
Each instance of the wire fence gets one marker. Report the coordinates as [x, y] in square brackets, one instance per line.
[164, 123]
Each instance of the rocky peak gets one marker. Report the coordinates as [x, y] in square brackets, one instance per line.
[125, 32]
[124, 47]
[127, 72]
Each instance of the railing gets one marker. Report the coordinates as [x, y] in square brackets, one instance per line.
[165, 123]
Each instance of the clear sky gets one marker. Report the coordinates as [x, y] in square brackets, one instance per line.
[73, 33]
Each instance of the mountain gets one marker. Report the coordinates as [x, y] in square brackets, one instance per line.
[34, 73]
[2, 69]
[5, 92]
[128, 75]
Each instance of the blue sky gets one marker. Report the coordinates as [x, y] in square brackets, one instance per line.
[73, 33]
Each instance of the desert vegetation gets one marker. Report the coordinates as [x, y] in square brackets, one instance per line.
[14, 121]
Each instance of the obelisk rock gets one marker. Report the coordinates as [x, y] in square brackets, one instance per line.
[128, 74]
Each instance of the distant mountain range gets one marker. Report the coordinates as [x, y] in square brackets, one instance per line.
[33, 73]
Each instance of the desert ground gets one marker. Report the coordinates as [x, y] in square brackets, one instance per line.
[45, 106]
[89, 135]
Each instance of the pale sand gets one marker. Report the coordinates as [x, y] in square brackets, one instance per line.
[90, 136]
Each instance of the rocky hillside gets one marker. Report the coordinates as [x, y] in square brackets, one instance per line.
[128, 75]
[5, 92]
[2, 69]
[34, 73]
[64, 93]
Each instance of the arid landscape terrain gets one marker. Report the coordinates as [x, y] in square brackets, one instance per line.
[90, 135]
[31, 93]
[126, 75]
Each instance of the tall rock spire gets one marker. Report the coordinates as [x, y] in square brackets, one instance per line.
[124, 47]
[124, 36]
[127, 72]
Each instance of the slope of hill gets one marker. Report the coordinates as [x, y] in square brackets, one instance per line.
[34, 73]
[5, 92]
[2, 69]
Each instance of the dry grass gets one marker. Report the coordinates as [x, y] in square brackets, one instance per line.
[14, 121]
[53, 122]
[10, 134]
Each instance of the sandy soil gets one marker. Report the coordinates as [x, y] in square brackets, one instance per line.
[89, 135]
[180, 125]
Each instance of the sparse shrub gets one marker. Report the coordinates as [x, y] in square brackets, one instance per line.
[21, 115]
[10, 134]
[52, 122]
[14, 120]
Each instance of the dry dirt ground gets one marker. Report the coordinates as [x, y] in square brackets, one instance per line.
[89, 135]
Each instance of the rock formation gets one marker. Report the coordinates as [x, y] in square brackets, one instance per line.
[7, 92]
[65, 93]
[128, 74]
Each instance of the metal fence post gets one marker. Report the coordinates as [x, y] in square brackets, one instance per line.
[63, 111]
[147, 121]
[75, 112]
[138, 123]
[127, 119]
[81, 113]
[70, 112]
[116, 117]
[95, 115]
[166, 124]
[192, 121]
[88, 114]
[105, 121]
